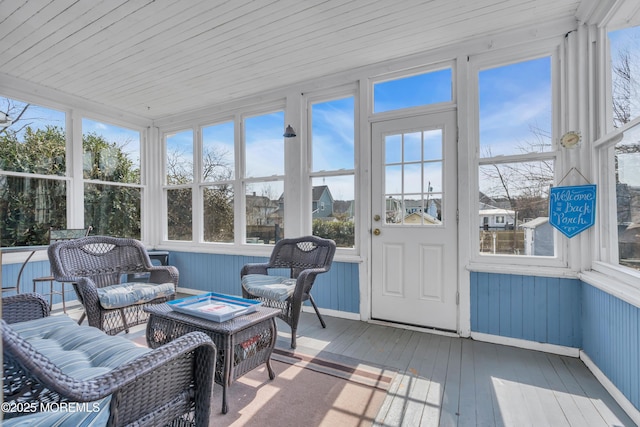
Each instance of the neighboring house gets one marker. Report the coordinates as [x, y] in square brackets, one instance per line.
[415, 207]
[412, 206]
[538, 237]
[415, 218]
[260, 210]
[322, 203]
[492, 218]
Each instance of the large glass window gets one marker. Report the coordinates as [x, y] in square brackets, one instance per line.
[111, 170]
[619, 156]
[179, 177]
[626, 164]
[218, 169]
[33, 190]
[625, 74]
[516, 168]
[264, 177]
[332, 173]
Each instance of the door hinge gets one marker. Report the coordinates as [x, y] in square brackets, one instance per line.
[457, 216]
[457, 298]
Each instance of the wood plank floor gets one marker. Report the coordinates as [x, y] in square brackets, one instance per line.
[445, 381]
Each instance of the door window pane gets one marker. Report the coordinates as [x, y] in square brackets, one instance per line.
[413, 186]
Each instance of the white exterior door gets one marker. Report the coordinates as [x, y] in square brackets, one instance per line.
[414, 225]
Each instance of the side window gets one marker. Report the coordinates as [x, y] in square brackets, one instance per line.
[625, 158]
[517, 158]
[179, 188]
[619, 158]
[112, 186]
[33, 166]
[625, 74]
[218, 173]
[264, 178]
[332, 170]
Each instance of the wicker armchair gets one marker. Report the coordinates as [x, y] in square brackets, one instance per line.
[96, 265]
[170, 385]
[302, 259]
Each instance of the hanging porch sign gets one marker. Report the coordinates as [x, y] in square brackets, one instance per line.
[572, 209]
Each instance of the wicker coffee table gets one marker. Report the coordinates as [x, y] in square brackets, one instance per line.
[243, 343]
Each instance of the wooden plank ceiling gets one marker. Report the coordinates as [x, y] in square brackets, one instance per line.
[158, 58]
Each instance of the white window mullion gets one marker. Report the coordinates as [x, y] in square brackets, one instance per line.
[196, 188]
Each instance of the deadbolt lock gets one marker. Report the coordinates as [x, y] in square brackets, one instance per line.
[376, 217]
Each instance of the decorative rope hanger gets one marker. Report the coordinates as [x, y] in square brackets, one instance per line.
[571, 170]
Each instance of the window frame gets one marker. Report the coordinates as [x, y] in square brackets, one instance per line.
[522, 264]
[239, 181]
[111, 184]
[605, 259]
[408, 73]
[317, 97]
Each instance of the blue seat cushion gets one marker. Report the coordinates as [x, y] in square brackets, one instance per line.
[82, 352]
[270, 287]
[127, 294]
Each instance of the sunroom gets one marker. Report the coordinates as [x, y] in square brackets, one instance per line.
[420, 136]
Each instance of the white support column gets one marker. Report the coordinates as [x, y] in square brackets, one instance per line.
[362, 136]
[152, 201]
[467, 208]
[579, 115]
[296, 196]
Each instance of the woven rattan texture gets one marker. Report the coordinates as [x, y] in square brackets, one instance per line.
[97, 261]
[170, 385]
[305, 258]
[243, 343]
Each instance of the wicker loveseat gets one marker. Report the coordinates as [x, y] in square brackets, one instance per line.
[57, 372]
[99, 267]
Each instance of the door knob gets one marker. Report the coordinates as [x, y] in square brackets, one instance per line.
[376, 231]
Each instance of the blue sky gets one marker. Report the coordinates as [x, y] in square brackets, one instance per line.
[513, 99]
